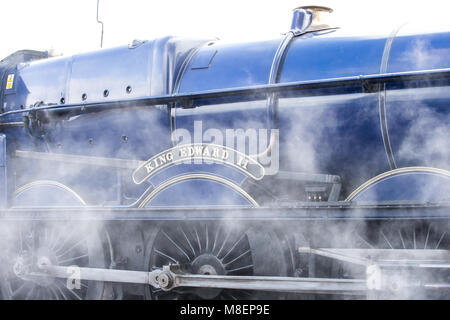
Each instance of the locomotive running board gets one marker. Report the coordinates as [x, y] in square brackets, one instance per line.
[339, 210]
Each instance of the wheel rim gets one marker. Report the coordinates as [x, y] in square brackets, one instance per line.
[56, 244]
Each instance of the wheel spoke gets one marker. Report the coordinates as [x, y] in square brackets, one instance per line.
[165, 255]
[176, 245]
[215, 240]
[223, 244]
[71, 248]
[207, 237]
[22, 288]
[29, 294]
[382, 233]
[21, 239]
[232, 248]
[48, 295]
[53, 293]
[230, 295]
[61, 292]
[198, 240]
[63, 243]
[55, 239]
[364, 240]
[426, 239]
[70, 291]
[237, 258]
[439, 242]
[38, 294]
[241, 268]
[401, 238]
[189, 242]
[73, 259]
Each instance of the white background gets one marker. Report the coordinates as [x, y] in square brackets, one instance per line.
[69, 26]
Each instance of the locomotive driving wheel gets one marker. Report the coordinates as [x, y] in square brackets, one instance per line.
[50, 243]
[406, 235]
[214, 249]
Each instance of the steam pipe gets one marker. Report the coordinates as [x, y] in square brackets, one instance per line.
[101, 38]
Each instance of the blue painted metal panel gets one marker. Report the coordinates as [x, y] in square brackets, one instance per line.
[203, 59]
[332, 54]
[198, 192]
[419, 51]
[234, 65]
[113, 70]
[41, 81]
[3, 172]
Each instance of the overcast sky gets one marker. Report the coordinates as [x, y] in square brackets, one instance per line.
[69, 26]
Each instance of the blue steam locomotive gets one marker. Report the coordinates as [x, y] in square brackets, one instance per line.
[191, 168]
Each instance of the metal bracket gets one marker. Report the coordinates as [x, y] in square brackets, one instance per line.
[369, 87]
[321, 179]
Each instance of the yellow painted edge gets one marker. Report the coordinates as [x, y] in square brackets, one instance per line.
[197, 176]
[48, 182]
[393, 172]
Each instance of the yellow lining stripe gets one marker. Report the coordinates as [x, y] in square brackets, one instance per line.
[197, 176]
[51, 183]
[393, 172]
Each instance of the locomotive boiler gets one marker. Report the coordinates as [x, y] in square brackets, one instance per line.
[315, 164]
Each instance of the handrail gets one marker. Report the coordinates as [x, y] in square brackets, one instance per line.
[368, 83]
